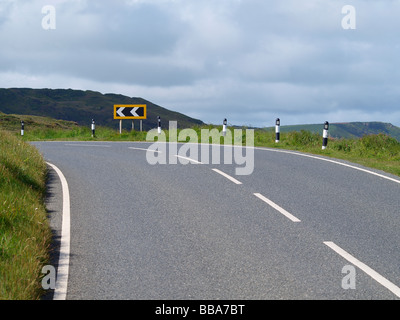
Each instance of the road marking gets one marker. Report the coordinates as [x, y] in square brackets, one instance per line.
[332, 161]
[87, 145]
[275, 206]
[191, 160]
[150, 150]
[308, 156]
[372, 273]
[227, 176]
[60, 292]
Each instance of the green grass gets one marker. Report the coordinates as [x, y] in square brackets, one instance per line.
[377, 151]
[82, 134]
[24, 230]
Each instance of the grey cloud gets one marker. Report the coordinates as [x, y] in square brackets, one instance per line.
[211, 59]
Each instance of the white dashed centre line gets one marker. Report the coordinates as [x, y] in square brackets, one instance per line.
[275, 206]
[372, 273]
[227, 176]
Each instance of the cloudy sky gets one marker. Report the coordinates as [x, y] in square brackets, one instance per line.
[249, 61]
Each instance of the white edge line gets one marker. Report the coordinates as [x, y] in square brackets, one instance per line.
[332, 161]
[372, 273]
[275, 206]
[227, 176]
[304, 155]
[285, 151]
[60, 292]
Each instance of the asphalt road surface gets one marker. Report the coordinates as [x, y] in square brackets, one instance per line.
[297, 227]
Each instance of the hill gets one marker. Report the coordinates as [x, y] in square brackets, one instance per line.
[348, 129]
[12, 122]
[83, 106]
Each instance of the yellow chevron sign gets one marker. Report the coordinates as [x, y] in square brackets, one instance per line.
[130, 111]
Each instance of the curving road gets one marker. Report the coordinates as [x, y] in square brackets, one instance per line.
[298, 227]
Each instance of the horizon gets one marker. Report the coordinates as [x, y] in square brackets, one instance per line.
[206, 123]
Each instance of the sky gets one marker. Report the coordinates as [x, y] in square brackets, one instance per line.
[249, 61]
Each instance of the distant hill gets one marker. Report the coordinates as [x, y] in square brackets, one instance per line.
[83, 106]
[12, 122]
[348, 129]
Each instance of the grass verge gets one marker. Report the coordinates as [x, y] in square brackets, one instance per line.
[377, 151]
[24, 230]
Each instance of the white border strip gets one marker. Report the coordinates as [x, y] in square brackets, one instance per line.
[372, 273]
[227, 176]
[294, 153]
[60, 292]
[332, 161]
[275, 206]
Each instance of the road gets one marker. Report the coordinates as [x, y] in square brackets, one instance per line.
[298, 227]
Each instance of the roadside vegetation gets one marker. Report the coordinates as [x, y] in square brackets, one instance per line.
[377, 151]
[24, 230]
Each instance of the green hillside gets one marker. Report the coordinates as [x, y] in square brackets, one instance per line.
[83, 106]
[347, 130]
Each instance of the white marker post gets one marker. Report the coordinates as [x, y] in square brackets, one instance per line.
[159, 124]
[277, 130]
[325, 135]
[22, 128]
[93, 128]
[224, 127]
